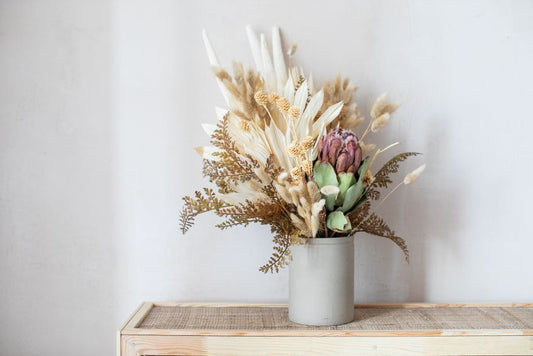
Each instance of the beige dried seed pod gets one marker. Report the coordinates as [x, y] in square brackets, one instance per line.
[294, 112]
[411, 177]
[307, 143]
[307, 167]
[296, 173]
[272, 97]
[294, 149]
[244, 125]
[261, 98]
[380, 122]
[283, 104]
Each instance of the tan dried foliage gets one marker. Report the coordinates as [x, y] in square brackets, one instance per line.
[341, 90]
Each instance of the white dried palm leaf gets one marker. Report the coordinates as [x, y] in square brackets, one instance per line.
[207, 152]
[255, 47]
[328, 116]
[220, 112]
[214, 62]
[300, 98]
[305, 124]
[209, 129]
[268, 68]
[246, 191]
[288, 90]
[279, 60]
[278, 146]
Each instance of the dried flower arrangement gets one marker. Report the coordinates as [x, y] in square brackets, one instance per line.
[287, 155]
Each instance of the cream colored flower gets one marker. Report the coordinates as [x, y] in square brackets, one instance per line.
[411, 177]
[294, 112]
[245, 126]
[294, 149]
[272, 97]
[307, 167]
[283, 104]
[261, 98]
[380, 122]
[307, 143]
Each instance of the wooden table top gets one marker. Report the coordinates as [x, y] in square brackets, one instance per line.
[414, 319]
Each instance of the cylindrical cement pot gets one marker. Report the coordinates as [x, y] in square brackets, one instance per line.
[321, 281]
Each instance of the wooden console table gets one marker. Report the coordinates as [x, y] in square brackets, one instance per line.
[385, 329]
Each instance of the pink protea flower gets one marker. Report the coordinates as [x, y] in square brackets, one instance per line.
[341, 149]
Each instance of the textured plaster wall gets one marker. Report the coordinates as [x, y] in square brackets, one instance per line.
[100, 106]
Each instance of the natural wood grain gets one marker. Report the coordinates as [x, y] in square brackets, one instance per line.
[391, 338]
[290, 346]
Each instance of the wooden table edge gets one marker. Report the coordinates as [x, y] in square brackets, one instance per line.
[331, 333]
[131, 325]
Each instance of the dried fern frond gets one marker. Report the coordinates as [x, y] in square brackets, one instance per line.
[376, 226]
[359, 214]
[382, 179]
[198, 204]
[231, 167]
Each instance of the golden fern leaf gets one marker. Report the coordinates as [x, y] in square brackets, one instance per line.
[280, 257]
[198, 204]
[359, 214]
[376, 226]
[381, 178]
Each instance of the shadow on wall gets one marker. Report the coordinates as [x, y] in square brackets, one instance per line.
[417, 214]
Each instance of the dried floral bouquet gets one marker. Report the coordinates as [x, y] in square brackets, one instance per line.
[288, 155]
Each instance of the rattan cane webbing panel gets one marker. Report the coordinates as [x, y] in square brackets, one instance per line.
[276, 318]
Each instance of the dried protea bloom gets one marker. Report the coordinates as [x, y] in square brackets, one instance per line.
[261, 98]
[283, 104]
[341, 149]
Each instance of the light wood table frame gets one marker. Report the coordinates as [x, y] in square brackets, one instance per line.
[135, 339]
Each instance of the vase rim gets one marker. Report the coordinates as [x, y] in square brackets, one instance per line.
[328, 240]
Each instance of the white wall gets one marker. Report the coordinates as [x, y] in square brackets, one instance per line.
[101, 104]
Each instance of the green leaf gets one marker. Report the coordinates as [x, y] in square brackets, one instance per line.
[324, 174]
[337, 222]
[346, 180]
[362, 169]
[353, 194]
